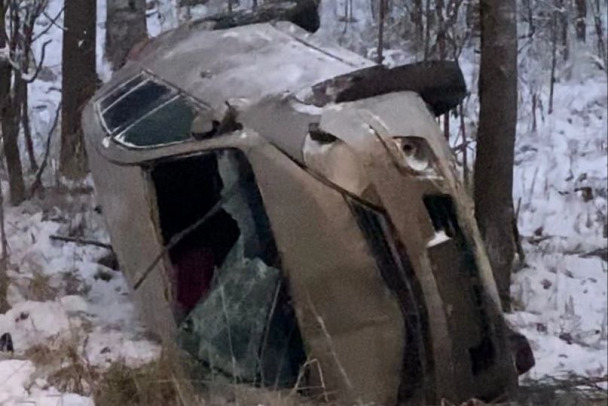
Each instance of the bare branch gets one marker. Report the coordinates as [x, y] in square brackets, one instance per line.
[39, 66]
[38, 179]
[53, 23]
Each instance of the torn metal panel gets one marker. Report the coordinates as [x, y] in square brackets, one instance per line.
[404, 114]
[338, 163]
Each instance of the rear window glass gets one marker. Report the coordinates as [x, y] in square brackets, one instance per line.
[169, 123]
[120, 91]
[144, 112]
[132, 105]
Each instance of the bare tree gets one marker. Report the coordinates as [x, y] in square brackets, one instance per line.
[4, 280]
[599, 31]
[18, 68]
[562, 15]
[554, 23]
[125, 27]
[381, 22]
[31, 11]
[417, 20]
[493, 175]
[10, 129]
[581, 20]
[78, 83]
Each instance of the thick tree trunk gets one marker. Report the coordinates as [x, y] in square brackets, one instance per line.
[496, 137]
[78, 83]
[10, 131]
[125, 27]
[10, 126]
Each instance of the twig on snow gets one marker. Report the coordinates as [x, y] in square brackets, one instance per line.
[81, 241]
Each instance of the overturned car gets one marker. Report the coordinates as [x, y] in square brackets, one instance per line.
[288, 211]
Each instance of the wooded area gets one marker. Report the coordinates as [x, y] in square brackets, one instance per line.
[515, 56]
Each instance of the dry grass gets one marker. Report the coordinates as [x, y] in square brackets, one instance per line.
[247, 395]
[149, 385]
[73, 284]
[40, 289]
[158, 383]
[568, 392]
[166, 382]
[63, 366]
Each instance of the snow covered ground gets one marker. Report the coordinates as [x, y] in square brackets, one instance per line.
[560, 187]
[64, 300]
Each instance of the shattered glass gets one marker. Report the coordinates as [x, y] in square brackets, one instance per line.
[244, 326]
[227, 328]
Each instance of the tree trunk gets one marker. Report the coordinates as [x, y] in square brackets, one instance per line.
[125, 27]
[553, 60]
[427, 30]
[78, 83]
[4, 279]
[381, 21]
[563, 20]
[581, 20]
[27, 128]
[23, 91]
[496, 137]
[599, 31]
[441, 44]
[439, 8]
[418, 21]
[472, 18]
[530, 17]
[10, 126]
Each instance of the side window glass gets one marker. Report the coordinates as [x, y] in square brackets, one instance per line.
[231, 300]
[129, 107]
[144, 112]
[170, 122]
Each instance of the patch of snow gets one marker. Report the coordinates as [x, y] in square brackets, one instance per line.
[439, 238]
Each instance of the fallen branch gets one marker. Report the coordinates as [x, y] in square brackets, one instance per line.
[81, 241]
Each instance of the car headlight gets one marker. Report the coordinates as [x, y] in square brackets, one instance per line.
[416, 153]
